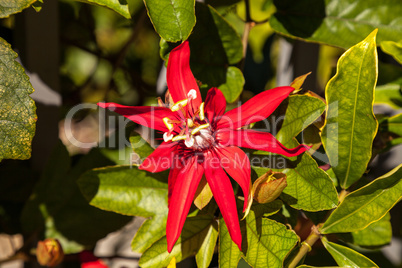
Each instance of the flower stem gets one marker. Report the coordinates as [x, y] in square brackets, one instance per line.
[306, 246]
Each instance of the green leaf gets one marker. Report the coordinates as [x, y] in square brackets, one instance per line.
[17, 109]
[389, 94]
[210, 60]
[119, 6]
[393, 48]
[140, 146]
[350, 125]
[302, 110]
[233, 85]
[366, 205]
[206, 251]
[173, 19]
[58, 207]
[229, 253]
[345, 256]
[394, 124]
[377, 234]
[195, 231]
[129, 191]
[268, 242]
[8, 8]
[341, 23]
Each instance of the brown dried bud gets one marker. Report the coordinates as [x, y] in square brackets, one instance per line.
[269, 186]
[49, 252]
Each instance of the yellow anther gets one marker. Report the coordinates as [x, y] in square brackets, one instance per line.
[190, 122]
[202, 115]
[179, 137]
[179, 104]
[166, 120]
[199, 128]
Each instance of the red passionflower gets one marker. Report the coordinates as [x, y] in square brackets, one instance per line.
[200, 138]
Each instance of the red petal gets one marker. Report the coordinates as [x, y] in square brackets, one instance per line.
[237, 165]
[215, 104]
[256, 109]
[257, 140]
[186, 183]
[161, 158]
[148, 116]
[180, 79]
[223, 193]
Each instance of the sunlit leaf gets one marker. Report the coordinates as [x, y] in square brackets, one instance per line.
[340, 23]
[173, 19]
[394, 124]
[119, 6]
[207, 249]
[229, 253]
[389, 94]
[8, 8]
[350, 124]
[17, 109]
[192, 237]
[393, 48]
[367, 204]
[378, 233]
[130, 191]
[347, 257]
[233, 85]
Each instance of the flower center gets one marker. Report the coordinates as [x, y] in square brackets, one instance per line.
[193, 127]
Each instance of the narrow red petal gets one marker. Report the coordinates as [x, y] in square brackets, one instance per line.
[236, 163]
[148, 116]
[223, 193]
[256, 109]
[215, 104]
[185, 186]
[161, 158]
[180, 79]
[257, 140]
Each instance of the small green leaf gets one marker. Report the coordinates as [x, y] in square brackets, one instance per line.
[377, 234]
[140, 146]
[173, 19]
[192, 237]
[229, 253]
[389, 94]
[206, 251]
[8, 8]
[302, 110]
[119, 6]
[350, 125]
[347, 257]
[233, 85]
[366, 205]
[268, 242]
[341, 23]
[394, 124]
[17, 109]
[393, 48]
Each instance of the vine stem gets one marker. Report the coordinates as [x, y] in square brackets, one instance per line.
[306, 246]
[247, 27]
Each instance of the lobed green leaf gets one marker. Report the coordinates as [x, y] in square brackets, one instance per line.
[350, 125]
[17, 109]
[366, 205]
[341, 23]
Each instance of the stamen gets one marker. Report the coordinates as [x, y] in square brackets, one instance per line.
[192, 94]
[179, 105]
[179, 138]
[190, 122]
[202, 115]
[189, 142]
[167, 120]
[167, 137]
[197, 129]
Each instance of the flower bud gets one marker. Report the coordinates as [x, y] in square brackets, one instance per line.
[269, 186]
[49, 252]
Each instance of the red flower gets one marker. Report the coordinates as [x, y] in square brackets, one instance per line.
[200, 138]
